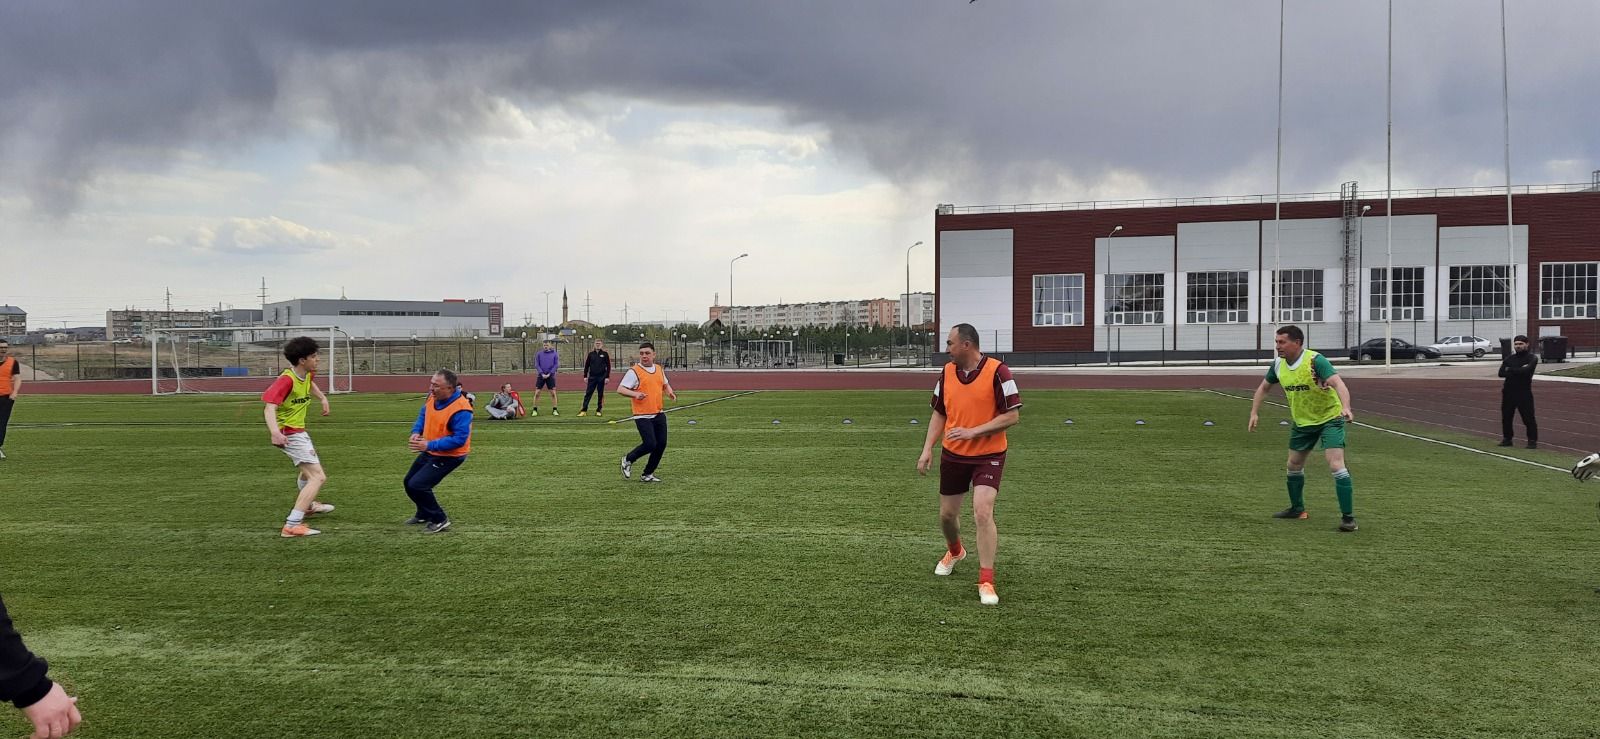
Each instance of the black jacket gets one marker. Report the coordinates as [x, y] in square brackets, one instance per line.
[22, 675]
[597, 364]
[1518, 370]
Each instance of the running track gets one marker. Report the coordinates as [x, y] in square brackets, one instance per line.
[1568, 413]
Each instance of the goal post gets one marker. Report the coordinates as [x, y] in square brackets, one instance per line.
[241, 359]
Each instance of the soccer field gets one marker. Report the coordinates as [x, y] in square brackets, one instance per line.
[780, 581]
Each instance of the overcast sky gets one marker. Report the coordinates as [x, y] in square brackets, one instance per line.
[415, 149]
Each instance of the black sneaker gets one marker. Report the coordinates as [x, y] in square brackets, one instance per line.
[1348, 523]
[1533, 445]
[1295, 513]
[437, 526]
[414, 520]
[1505, 442]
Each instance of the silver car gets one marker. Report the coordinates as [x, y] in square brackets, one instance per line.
[1472, 346]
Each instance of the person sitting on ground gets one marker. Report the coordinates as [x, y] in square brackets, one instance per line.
[506, 404]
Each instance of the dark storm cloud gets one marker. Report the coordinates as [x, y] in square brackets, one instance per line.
[995, 98]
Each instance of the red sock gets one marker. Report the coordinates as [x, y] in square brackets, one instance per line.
[986, 575]
[956, 549]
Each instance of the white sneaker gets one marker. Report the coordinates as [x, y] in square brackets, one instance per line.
[649, 478]
[947, 564]
[627, 469]
[2, 454]
[986, 594]
[320, 508]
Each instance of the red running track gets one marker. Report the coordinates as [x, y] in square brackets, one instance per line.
[1569, 413]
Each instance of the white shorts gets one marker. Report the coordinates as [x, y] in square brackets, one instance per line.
[300, 450]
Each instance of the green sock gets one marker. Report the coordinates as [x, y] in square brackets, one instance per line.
[1346, 491]
[1297, 490]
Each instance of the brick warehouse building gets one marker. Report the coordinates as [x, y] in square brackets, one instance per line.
[1193, 275]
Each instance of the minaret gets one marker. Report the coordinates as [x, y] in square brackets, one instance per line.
[563, 305]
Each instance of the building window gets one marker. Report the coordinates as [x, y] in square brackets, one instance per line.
[1568, 290]
[1136, 299]
[1480, 291]
[1219, 297]
[1299, 294]
[1058, 300]
[1406, 298]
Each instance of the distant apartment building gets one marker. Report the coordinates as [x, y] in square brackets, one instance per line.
[13, 321]
[129, 323]
[872, 312]
[919, 305]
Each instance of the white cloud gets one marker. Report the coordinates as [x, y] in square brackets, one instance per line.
[267, 236]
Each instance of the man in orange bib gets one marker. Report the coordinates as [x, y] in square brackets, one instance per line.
[10, 386]
[974, 402]
[646, 384]
[442, 437]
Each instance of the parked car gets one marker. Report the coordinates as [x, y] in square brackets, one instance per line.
[1400, 349]
[1472, 346]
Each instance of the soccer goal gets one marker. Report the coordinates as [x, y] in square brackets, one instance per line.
[241, 360]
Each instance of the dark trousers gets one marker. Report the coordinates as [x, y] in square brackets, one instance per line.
[596, 385]
[6, 402]
[652, 441]
[425, 473]
[1522, 403]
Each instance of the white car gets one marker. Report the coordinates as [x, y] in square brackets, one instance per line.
[1472, 346]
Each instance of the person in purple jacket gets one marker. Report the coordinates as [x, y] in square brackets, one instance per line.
[546, 362]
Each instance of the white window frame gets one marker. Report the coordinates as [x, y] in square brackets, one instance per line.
[1476, 275]
[1126, 282]
[1408, 306]
[1548, 289]
[1059, 292]
[1238, 312]
[1300, 313]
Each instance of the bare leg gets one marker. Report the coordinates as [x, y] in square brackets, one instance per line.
[314, 477]
[983, 514]
[950, 520]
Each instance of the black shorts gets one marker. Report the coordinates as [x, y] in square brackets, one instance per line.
[545, 383]
[956, 476]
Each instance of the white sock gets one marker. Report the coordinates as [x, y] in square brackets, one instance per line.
[295, 517]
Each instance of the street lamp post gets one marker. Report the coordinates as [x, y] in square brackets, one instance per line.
[547, 308]
[906, 303]
[1361, 252]
[732, 322]
[1108, 292]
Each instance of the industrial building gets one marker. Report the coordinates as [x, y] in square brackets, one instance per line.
[1150, 278]
[392, 319]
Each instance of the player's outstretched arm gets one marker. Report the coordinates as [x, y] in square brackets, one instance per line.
[1255, 404]
[316, 392]
[270, 413]
[1337, 383]
[935, 432]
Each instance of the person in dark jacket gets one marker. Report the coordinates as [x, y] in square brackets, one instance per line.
[24, 684]
[1516, 396]
[596, 370]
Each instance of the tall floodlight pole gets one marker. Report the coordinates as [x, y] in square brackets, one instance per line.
[1505, 104]
[1108, 292]
[732, 323]
[547, 308]
[907, 302]
[1388, 203]
[1277, 181]
[1361, 252]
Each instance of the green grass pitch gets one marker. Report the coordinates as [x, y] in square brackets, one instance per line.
[780, 582]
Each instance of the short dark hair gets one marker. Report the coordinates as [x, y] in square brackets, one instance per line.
[647, 345]
[967, 332]
[1522, 338]
[299, 348]
[1294, 333]
[449, 377]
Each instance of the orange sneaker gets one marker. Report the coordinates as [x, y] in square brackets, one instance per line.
[948, 563]
[299, 529]
[986, 594]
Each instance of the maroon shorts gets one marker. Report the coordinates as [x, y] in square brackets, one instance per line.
[956, 476]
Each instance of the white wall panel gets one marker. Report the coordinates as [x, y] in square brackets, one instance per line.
[976, 284]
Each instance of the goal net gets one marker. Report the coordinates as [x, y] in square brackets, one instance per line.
[241, 360]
